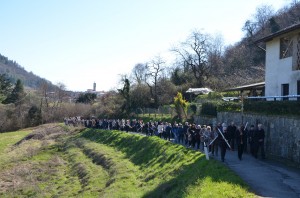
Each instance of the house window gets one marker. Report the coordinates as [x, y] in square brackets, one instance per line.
[286, 47]
[285, 90]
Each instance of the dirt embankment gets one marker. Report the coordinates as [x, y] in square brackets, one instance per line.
[33, 160]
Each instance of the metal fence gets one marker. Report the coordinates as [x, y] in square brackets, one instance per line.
[275, 98]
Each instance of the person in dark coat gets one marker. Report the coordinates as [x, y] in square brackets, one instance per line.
[251, 139]
[180, 134]
[197, 136]
[127, 126]
[259, 139]
[222, 142]
[185, 133]
[231, 134]
[192, 133]
[241, 140]
[168, 131]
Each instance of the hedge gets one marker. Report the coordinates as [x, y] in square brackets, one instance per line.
[229, 106]
[211, 108]
[273, 107]
[261, 107]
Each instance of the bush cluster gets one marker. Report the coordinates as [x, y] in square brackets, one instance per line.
[262, 107]
[229, 106]
[273, 107]
[209, 109]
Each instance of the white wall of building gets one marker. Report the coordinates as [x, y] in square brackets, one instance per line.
[279, 71]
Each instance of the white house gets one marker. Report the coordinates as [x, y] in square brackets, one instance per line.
[282, 75]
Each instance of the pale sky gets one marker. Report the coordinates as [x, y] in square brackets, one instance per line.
[79, 42]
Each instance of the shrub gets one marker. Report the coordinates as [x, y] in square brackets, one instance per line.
[262, 107]
[229, 106]
[34, 117]
[181, 106]
[193, 107]
[209, 109]
[273, 107]
[231, 94]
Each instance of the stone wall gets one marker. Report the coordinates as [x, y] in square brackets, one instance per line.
[282, 133]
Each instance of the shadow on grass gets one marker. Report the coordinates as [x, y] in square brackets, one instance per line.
[192, 167]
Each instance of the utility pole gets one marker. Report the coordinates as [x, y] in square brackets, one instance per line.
[242, 106]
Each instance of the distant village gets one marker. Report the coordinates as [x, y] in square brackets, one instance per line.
[72, 96]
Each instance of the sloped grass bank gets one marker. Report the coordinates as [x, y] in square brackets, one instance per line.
[9, 139]
[170, 170]
[33, 165]
[58, 161]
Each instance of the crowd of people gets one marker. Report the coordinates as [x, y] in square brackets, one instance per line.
[194, 136]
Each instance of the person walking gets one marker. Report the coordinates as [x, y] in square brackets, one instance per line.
[215, 144]
[232, 130]
[185, 133]
[160, 129]
[251, 139]
[241, 140]
[175, 131]
[168, 131]
[197, 136]
[180, 134]
[222, 138]
[259, 139]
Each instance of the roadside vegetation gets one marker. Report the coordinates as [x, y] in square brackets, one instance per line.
[58, 161]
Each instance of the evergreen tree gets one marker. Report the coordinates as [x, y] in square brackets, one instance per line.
[125, 93]
[274, 25]
[34, 117]
[17, 94]
[87, 98]
[5, 87]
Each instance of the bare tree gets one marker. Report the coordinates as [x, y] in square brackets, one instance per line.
[262, 16]
[194, 55]
[250, 28]
[259, 24]
[216, 51]
[51, 101]
[155, 70]
[139, 73]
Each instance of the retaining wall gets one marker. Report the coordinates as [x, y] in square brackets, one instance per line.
[282, 133]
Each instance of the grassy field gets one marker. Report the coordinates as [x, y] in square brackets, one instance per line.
[56, 161]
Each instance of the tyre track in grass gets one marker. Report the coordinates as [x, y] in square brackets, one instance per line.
[124, 180]
[92, 177]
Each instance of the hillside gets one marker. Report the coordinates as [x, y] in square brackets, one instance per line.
[15, 72]
[244, 62]
[76, 162]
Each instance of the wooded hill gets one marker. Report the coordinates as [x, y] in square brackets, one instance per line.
[14, 71]
[244, 62]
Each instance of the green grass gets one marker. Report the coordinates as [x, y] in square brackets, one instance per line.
[100, 163]
[8, 139]
[170, 170]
